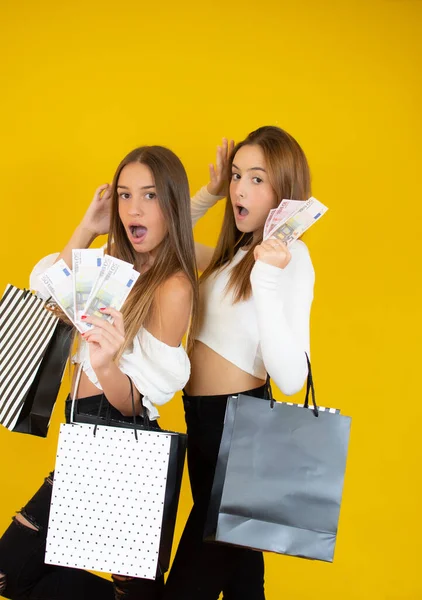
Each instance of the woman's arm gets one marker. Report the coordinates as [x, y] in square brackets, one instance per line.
[283, 298]
[168, 323]
[203, 255]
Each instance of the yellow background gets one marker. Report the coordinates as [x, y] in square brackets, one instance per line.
[83, 83]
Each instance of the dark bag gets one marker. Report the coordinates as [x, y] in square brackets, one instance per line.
[34, 348]
[279, 476]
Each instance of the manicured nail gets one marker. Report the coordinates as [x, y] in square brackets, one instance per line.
[102, 309]
[83, 317]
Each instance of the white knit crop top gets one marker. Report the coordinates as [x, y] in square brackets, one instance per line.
[269, 332]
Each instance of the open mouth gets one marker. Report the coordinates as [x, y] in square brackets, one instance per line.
[138, 231]
[241, 210]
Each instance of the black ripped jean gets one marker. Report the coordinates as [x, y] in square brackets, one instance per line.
[23, 573]
[202, 570]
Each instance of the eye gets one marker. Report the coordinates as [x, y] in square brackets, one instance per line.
[235, 176]
[151, 196]
[257, 179]
[124, 195]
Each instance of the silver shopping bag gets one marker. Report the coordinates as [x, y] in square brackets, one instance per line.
[279, 477]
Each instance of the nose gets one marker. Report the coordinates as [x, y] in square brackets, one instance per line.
[135, 208]
[240, 190]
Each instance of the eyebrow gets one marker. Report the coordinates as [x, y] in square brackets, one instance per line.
[251, 169]
[145, 187]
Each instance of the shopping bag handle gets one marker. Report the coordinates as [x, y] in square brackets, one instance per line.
[145, 417]
[135, 425]
[309, 388]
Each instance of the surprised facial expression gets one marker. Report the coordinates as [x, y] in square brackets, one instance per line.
[139, 208]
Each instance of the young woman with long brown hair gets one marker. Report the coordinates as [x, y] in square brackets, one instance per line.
[146, 212]
[255, 301]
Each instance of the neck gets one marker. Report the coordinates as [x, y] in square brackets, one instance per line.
[145, 261]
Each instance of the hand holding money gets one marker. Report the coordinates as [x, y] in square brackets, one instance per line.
[97, 217]
[273, 252]
[104, 339]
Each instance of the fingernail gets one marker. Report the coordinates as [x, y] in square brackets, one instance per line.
[83, 317]
[102, 309]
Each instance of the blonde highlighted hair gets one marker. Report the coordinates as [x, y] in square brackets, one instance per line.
[177, 251]
[289, 176]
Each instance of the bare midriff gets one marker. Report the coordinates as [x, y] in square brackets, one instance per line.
[212, 375]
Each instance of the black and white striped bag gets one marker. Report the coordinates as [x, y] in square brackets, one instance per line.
[33, 355]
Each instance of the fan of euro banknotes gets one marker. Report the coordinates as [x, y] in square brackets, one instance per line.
[95, 281]
[292, 218]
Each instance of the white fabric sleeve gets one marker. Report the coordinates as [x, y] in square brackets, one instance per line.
[283, 299]
[158, 371]
[201, 202]
[35, 282]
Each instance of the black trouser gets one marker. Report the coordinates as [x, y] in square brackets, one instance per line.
[23, 573]
[201, 570]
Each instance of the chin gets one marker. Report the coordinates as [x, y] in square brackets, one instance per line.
[148, 247]
[245, 228]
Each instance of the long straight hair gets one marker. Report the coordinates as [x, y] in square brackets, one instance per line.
[176, 253]
[290, 178]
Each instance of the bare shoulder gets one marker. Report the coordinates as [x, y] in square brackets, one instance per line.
[176, 288]
[170, 316]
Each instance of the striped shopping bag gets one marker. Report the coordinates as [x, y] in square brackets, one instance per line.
[34, 348]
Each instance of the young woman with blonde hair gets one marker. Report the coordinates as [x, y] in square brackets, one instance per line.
[255, 301]
[146, 212]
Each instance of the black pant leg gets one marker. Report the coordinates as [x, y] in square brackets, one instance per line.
[201, 570]
[22, 552]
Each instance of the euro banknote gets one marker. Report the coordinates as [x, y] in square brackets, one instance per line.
[58, 279]
[115, 279]
[86, 264]
[290, 230]
[112, 288]
[279, 215]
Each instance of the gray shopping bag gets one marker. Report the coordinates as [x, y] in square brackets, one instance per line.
[279, 477]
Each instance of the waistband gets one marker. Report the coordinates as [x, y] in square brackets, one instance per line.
[259, 392]
[90, 406]
[87, 403]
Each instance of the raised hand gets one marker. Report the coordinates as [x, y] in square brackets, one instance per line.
[219, 175]
[97, 217]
